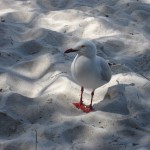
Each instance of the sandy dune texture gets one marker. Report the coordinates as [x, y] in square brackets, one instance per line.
[36, 87]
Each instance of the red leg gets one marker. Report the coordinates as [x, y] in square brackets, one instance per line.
[80, 104]
[89, 108]
[82, 90]
[83, 107]
[92, 94]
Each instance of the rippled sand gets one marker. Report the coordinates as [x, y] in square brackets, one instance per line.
[36, 87]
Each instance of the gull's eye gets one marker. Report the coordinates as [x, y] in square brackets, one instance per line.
[83, 46]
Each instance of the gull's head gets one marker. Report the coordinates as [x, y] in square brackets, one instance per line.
[84, 47]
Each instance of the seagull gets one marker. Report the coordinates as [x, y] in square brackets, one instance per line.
[88, 70]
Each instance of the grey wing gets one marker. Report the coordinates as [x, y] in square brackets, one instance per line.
[105, 70]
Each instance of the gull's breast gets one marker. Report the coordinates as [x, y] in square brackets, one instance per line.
[85, 72]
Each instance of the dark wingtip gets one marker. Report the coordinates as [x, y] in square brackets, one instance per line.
[111, 64]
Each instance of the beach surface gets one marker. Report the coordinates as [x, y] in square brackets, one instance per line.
[36, 86]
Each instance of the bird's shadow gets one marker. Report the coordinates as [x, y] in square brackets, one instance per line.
[115, 100]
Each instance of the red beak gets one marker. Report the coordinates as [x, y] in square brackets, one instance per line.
[70, 50]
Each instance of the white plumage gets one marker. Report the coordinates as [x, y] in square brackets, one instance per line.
[88, 70]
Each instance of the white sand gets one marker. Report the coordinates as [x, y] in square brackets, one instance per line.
[36, 87]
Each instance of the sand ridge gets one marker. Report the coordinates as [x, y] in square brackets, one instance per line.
[36, 87]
